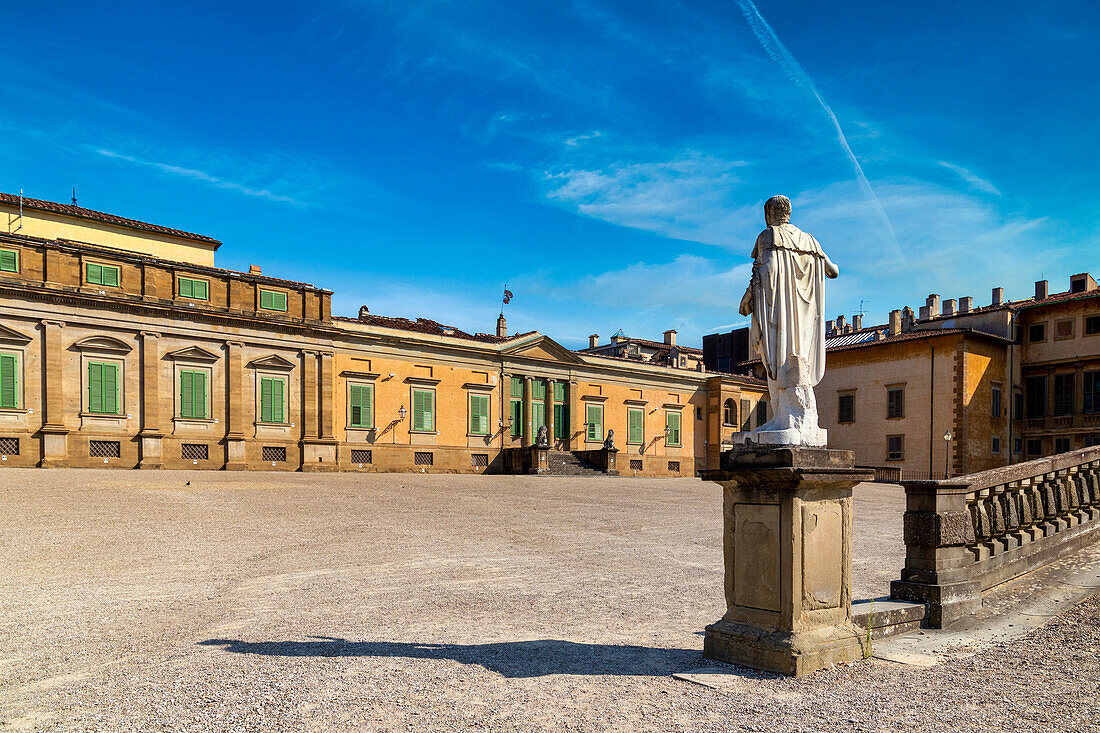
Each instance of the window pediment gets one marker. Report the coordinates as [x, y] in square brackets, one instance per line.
[194, 354]
[272, 361]
[11, 336]
[103, 344]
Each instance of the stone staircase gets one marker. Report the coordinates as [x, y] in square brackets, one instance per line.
[564, 463]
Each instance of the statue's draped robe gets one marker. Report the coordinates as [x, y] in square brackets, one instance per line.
[788, 286]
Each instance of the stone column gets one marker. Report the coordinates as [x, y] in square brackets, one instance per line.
[318, 442]
[787, 543]
[235, 394]
[54, 430]
[938, 527]
[152, 434]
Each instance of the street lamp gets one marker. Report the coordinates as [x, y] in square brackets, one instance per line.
[947, 453]
[401, 411]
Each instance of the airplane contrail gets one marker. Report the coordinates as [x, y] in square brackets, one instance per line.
[786, 60]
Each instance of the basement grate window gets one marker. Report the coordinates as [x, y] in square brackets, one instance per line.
[9, 446]
[423, 458]
[674, 467]
[194, 451]
[273, 453]
[361, 455]
[104, 448]
[479, 460]
[635, 464]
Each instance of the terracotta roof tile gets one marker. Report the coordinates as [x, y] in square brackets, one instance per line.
[428, 326]
[100, 216]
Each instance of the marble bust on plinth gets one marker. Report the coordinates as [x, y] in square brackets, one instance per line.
[786, 299]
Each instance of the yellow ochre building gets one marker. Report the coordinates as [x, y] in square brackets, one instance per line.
[121, 344]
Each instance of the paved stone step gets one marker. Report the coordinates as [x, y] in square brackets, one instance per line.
[563, 463]
[887, 618]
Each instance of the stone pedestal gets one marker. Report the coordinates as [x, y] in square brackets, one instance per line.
[787, 541]
[540, 460]
[152, 450]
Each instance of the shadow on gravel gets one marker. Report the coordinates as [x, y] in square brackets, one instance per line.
[510, 659]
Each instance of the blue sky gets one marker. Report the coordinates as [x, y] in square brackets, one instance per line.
[607, 160]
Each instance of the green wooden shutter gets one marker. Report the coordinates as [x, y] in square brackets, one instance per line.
[266, 400]
[538, 416]
[9, 260]
[9, 381]
[280, 301]
[517, 418]
[636, 425]
[561, 421]
[187, 393]
[110, 388]
[479, 414]
[110, 275]
[517, 386]
[559, 393]
[199, 400]
[360, 398]
[672, 420]
[278, 413]
[94, 274]
[201, 289]
[423, 409]
[186, 287]
[595, 422]
[538, 389]
[265, 299]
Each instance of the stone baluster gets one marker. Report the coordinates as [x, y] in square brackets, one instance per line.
[1035, 501]
[997, 515]
[1007, 495]
[1027, 511]
[1050, 505]
[983, 530]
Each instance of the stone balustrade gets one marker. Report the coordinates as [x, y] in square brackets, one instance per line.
[967, 534]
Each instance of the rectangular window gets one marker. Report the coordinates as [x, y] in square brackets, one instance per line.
[97, 274]
[672, 422]
[1036, 397]
[361, 405]
[846, 408]
[746, 416]
[559, 391]
[538, 389]
[1092, 325]
[1037, 332]
[104, 449]
[895, 402]
[361, 456]
[9, 381]
[194, 451]
[1092, 392]
[1018, 405]
[193, 394]
[273, 300]
[103, 388]
[1063, 394]
[594, 418]
[272, 400]
[995, 401]
[273, 453]
[516, 413]
[635, 419]
[895, 447]
[1062, 445]
[561, 411]
[761, 412]
[479, 414]
[1017, 445]
[996, 446]
[423, 401]
[538, 416]
[1034, 446]
[9, 260]
[9, 446]
[190, 287]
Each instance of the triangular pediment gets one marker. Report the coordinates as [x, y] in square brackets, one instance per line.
[272, 361]
[107, 344]
[192, 353]
[542, 347]
[11, 336]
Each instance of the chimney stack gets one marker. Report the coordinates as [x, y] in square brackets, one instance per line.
[924, 313]
[670, 337]
[949, 307]
[253, 269]
[830, 327]
[907, 319]
[502, 327]
[363, 311]
[933, 304]
[593, 341]
[857, 321]
[895, 322]
[840, 323]
[998, 296]
[966, 304]
[1041, 289]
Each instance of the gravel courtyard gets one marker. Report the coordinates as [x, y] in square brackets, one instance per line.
[230, 601]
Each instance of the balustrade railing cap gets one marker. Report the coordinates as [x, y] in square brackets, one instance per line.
[1007, 474]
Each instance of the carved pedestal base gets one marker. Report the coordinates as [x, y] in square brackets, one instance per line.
[787, 543]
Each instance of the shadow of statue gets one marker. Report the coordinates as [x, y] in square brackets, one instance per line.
[534, 658]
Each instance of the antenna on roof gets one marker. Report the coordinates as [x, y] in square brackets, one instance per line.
[74, 195]
[861, 307]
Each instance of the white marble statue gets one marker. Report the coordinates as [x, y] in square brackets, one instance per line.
[786, 298]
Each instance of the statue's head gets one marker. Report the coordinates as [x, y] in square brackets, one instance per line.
[777, 210]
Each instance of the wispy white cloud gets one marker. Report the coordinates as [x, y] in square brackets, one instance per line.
[198, 175]
[975, 181]
[691, 196]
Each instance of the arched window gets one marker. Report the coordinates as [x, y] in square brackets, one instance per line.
[729, 413]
